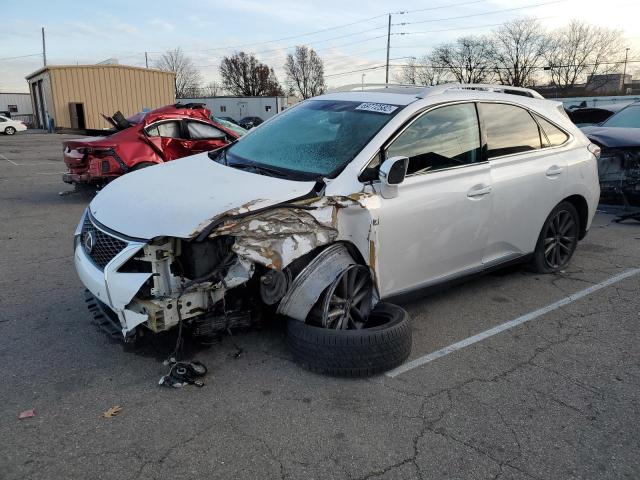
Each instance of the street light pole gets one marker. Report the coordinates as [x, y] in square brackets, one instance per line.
[624, 72]
[362, 88]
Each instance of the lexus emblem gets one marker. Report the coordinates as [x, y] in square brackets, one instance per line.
[89, 240]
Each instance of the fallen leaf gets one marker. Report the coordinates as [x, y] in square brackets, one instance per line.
[112, 412]
[27, 414]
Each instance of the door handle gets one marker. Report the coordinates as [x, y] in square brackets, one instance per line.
[479, 190]
[554, 171]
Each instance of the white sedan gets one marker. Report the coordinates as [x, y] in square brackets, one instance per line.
[335, 205]
[9, 126]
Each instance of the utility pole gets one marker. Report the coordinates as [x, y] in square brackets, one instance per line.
[624, 72]
[386, 77]
[44, 49]
[146, 59]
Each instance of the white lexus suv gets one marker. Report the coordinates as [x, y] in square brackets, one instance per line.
[335, 205]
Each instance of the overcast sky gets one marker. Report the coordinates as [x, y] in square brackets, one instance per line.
[79, 32]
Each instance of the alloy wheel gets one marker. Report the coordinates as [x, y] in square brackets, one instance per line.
[560, 239]
[347, 302]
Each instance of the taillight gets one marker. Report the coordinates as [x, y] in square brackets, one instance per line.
[595, 150]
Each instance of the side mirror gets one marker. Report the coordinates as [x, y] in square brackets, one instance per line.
[391, 174]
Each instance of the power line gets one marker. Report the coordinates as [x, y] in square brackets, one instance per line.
[480, 14]
[233, 47]
[356, 71]
[473, 27]
[22, 56]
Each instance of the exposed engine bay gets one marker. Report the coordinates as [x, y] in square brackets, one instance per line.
[243, 262]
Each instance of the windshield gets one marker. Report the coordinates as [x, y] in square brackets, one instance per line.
[316, 138]
[230, 126]
[626, 118]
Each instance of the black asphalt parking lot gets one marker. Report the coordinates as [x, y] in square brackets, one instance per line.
[556, 397]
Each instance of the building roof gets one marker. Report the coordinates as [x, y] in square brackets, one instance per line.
[98, 66]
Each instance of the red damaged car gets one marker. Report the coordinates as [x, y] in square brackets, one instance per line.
[158, 136]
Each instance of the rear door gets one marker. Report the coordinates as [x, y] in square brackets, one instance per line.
[436, 227]
[168, 139]
[204, 137]
[528, 179]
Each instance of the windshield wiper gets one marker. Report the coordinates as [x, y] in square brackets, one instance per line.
[261, 170]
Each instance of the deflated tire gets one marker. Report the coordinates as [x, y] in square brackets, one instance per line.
[383, 344]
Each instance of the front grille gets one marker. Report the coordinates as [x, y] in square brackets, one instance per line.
[105, 246]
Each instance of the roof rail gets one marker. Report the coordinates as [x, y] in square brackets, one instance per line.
[379, 87]
[445, 87]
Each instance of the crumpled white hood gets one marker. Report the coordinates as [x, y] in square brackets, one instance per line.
[174, 199]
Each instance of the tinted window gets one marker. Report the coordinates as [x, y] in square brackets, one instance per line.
[443, 138]
[203, 131]
[2, 119]
[167, 129]
[554, 135]
[626, 118]
[509, 129]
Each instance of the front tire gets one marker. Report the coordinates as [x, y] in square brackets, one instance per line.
[10, 131]
[558, 239]
[384, 343]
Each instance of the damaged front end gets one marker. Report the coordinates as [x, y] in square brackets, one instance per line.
[233, 267]
[619, 175]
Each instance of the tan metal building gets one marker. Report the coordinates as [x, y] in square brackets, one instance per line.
[74, 96]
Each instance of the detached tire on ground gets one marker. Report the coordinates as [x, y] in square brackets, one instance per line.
[353, 353]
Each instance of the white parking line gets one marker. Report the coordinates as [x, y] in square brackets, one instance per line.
[10, 161]
[510, 324]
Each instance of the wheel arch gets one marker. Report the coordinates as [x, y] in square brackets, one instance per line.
[312, 273]
[582, 207]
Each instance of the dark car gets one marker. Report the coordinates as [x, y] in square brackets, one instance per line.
[619, 163]
[250, 122]
[145, 139]
[586, 116]
[228, 119]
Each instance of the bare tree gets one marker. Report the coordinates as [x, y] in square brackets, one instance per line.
[422, 72]
[580, 51]
[305, 72]
[188, 77]
[467, 59]
[517, 51]
[211, 89]
[243, 74]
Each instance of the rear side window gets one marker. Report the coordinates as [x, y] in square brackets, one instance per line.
[166, 129]
[554, 136]
[442, 138]
[509, 129]
[203, 131]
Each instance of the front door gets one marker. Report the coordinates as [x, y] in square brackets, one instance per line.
[437, 226]
[204, 137]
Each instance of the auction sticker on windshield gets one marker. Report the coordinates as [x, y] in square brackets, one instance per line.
[377, 107]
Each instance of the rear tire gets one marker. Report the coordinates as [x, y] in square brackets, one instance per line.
[10, 131]
[558, 239]
[353, 353]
